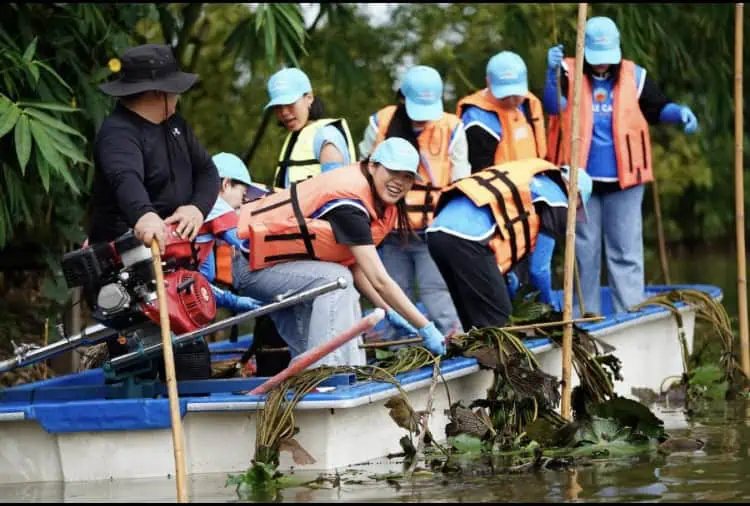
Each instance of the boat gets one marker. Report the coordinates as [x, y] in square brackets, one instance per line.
[63, 429]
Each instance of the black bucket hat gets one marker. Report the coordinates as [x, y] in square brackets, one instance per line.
[150, 67]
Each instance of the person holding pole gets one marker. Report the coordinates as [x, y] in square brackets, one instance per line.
[488, 222]
[319, 229]
[618, 104]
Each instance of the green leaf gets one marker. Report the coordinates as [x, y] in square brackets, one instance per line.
[9, 119]
[54, 74]
[23, 142]
[28, 55]
[465, 443]
[34, 71]
[49, 106]
[47, 148]
[43, 168]
[52, 122]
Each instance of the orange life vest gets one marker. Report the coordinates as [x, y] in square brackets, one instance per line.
[222, 251]
[629, 128]
[523, 132]
[280, 228]
[434, 142]
[506, 189]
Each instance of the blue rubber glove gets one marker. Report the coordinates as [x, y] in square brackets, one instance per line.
[554, 57]
[679, 115]
[238, 304]
[400, 322]
[433, 339]
[549, 96]
[513, 284]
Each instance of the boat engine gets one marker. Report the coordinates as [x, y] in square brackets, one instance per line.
[119, 285]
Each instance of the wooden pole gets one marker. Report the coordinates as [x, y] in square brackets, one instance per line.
[579, 289]
[660, 234]
[174, 403]
[570, 232]
[739, 193]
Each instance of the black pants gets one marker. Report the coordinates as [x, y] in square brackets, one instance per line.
[477, 287]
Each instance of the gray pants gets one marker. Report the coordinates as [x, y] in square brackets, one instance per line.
[413, 261]
[309, 324]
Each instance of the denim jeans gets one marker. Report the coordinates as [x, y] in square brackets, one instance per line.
[413, 261]
[618, 216]
[309, 324]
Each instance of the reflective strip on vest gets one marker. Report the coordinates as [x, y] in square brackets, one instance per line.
[516, 143]
[630, 130]
[297, 156]
[434, 142]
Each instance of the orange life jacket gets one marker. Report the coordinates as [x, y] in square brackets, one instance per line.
[434, 142]
[523, 132]
[280, 228]
[506, 189]
[629, 128]
[214, 227]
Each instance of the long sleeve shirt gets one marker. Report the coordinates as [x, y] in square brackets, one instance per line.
[143, 167]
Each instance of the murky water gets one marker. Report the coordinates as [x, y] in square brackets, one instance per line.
[716, 473]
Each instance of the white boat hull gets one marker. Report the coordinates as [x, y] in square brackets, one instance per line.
[220, 436]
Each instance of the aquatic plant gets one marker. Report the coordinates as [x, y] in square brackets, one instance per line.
[703, 381]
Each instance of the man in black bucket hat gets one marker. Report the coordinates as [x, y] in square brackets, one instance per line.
[150, 169]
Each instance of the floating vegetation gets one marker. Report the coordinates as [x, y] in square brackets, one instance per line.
[705, 381]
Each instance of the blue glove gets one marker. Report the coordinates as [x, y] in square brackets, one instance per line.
[238, 304]
[689, 121]
[679, 115]
[433, 339]
[513, 284]
[400, 322]
[554, 57]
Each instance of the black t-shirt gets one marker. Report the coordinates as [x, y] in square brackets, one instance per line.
[143, 167]
[350, 224]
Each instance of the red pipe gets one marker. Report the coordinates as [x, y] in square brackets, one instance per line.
[311, 356]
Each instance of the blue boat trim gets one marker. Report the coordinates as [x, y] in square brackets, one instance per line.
[76, 403]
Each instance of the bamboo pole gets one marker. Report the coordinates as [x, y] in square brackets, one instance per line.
[174, 405]
[579, 289]
[570, 232]
[660, 234]
[739, 193]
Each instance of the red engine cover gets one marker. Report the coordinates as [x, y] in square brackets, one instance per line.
[191, 308]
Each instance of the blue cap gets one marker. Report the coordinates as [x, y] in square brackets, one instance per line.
[585, 187]
[287, 86]
[232, 167]
[602, 42]
[507, 75]
[396, 153]
[423, 88]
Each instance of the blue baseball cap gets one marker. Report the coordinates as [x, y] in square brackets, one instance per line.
[232, 167]
[602, 42]
[423, 88]
[507, 75]
[585, 187]
[397, 154]
[287, 86]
